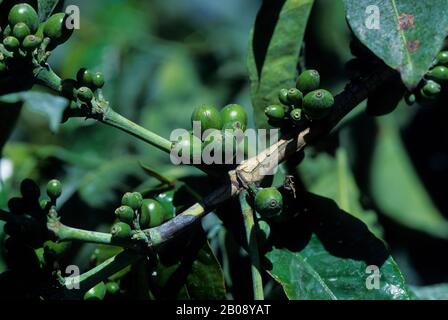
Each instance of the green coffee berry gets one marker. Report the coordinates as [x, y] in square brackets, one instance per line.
[188, 145]
[308, 81]
[234, 113]
[85, 94]
[269, 202]
[431, 88]
[132, 199]
[410, 98]
[125, 214]
[25, 13]
[283, 97]
[275, 112]
[121, 230]
[54, 189]
[31, 42]
[295, 115]
[98, 292]
[295, 97]
[85, 77]
[152, 214]
[439, 74]
[98, 80]
[317, 104]
[20, 31]
[208, 116]
[11, 43]
[442, 58]
[112, 288]
[56, 29]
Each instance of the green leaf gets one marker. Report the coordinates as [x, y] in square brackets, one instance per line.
[51, 106]
[409, 34]
[433, 292]
[274, 51]
[206, 280]
[99, 187]
[396, 187]
[332, 178]
[325, 255]
[45, 8]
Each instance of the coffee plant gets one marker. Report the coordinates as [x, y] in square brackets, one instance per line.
[102, 207]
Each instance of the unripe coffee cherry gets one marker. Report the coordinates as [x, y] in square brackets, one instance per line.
[25, 13]
[410, 98]
[317, 104]
[85, 94]
[54, 189]
[125, 214]
[269, 202]
[275, 112]
[112, 288]
[152, 214]
[308, 81]
[31, 42]
[208, 116]
[132, 199]
[121, 230]
[234, 113]
[283, 97]
[20, 31]
[431, 88]
[295, 115]
[56, 29]
[85, 77]
[98, 292]
[442, 58]
[295, 97]
[188, 145]
[98, 80]
[11, 43]
[439, 74]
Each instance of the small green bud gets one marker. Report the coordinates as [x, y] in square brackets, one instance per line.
[54, 189]
[308, 81]
[31, 42]
[85, 94]
[11, 43]
[410, 98]
[439, 74]
[295, 115]
[20, 31]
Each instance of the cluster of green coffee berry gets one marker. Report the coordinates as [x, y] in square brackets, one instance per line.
[220, 126]
[83, 88]
[25, 33]
[434, 80]
[136, 213]
[305, 99]
[28, 240]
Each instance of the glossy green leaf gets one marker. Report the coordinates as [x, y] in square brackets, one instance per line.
[326, 255]
[206, 280]
[45, 8]
[432, 292]
[51, 106]
[275, 50]
[332, 178]
[100, 186]
[396, 187]
[405, 34]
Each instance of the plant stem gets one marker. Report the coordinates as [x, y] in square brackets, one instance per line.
[251, 237]
[103, 271]
[116, 120]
